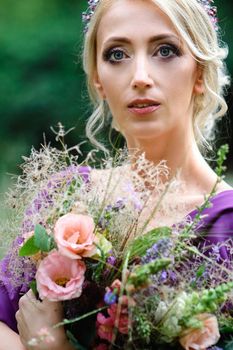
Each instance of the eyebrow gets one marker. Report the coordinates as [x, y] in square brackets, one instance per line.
[151, 40]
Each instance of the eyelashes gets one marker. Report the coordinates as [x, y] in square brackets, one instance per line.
[169, 51]
[116, 55]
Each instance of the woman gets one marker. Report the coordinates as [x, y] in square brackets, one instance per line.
[158, 67]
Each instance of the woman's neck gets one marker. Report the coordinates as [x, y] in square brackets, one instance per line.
[181, 154]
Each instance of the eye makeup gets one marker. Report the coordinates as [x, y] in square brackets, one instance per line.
[161, 46]
[166, 51]
[114, 55]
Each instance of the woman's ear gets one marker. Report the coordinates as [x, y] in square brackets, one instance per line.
[199, 87]
[98, 86]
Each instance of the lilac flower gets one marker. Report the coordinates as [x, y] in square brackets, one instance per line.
[17, 272]
[167, 277]
[111, 260]
[134, 197]
[215, 253]
[160, 249]
[44, 199]
[163, 276]
[108, 210]
[120, 204]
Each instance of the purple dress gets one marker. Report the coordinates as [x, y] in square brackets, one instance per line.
[217, 226]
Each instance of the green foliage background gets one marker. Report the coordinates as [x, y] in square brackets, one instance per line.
[41, 79]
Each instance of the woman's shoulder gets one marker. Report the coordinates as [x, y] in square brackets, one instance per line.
[220, 209]
[222, 201]
[217, 219]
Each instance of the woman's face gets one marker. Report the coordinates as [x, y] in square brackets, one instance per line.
[146, 74]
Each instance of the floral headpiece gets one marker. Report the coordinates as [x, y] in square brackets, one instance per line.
[86, 16]
[211, 11]
[207, 4]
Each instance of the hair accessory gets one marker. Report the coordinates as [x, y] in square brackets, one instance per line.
[86, 16]
[211, 11]
[207, 4]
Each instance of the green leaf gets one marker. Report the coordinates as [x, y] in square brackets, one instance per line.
[43, 241]
[33, 287]
[140, 275]
[29, 248]
[200, 271]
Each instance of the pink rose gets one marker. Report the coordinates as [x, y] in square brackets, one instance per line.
[74, 236]
[60, 278]
[204, 337]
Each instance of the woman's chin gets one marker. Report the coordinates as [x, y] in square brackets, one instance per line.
[145, 133]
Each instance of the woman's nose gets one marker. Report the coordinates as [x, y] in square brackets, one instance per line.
[141, 76]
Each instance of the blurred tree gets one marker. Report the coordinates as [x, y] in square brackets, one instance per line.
[225, 14]
[41, 77]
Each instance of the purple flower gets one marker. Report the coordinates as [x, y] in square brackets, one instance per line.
[44, 198]
[110, 298]
[160, 249]
[108, 210]
[134, 197]
[17, 272]
[120, 204]
[216, 253]
[111, 260]
[163, 276]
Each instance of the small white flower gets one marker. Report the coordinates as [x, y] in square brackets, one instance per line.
[171, 327]
[160, 311]
[33, 342]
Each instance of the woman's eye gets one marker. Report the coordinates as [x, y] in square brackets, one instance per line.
[114, 55]
[167, 51]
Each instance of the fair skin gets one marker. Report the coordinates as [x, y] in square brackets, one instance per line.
[150, 63]
[32, 316]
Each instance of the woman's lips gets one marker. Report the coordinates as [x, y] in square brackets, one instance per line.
[144, 110]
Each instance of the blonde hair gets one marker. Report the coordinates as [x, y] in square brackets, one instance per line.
[196, 29]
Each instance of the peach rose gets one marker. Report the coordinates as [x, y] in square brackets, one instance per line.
[204, 337]
[60, 278]
[74, 236]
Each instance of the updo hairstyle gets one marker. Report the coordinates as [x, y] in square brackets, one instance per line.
[197, 31]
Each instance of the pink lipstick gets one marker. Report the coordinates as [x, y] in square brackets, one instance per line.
[143, 106]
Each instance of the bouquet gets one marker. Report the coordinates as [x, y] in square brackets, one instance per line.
[113, 245]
